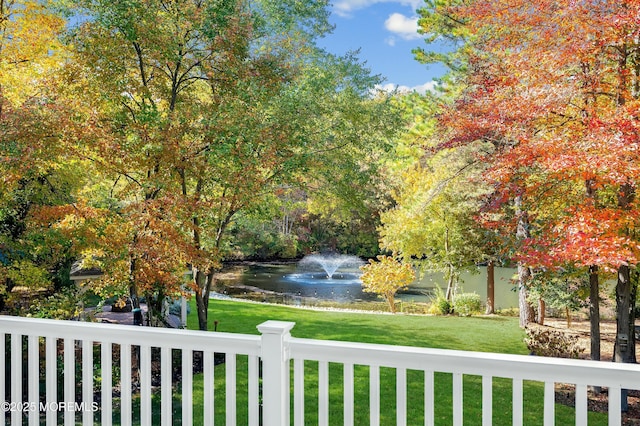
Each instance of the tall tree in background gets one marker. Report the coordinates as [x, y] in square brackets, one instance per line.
[437, 198]
[440, 22]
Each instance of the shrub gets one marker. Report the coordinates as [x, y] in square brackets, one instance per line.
[64, 305]
[546, 342]
[467, 304]
[439, 303]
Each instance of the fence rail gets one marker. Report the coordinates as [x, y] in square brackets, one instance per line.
[73, 372]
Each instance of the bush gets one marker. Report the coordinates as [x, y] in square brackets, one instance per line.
[439, 303]
[546, 342]
[64, 305]
[467, 304]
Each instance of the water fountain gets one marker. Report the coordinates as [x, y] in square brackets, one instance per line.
[317, 268]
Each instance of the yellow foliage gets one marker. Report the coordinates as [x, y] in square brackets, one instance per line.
[385, 277]
[29, 275]
[29, 47]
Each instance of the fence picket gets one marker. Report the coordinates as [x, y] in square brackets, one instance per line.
[457, 399]
[16, 376]
[125, 384]
[69, 379]
[166, 376]
[208, 391]
[231, 410]
[518, 401]
[581, 404]
[87, 381]
[33, 362]
[106, 387]
[487, 400]
[374, 395]
[253, 389]
[298, 392]
[51, 380]
[401, 397]
[549, 403]
[348, 394]
[615, 403]
[145, 385]
[187, 386]
[429, 400]
[323, 393]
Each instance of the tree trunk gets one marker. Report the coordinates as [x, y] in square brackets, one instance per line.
[624, 348]
[490, 288]
[133, 287]
[542, 309]
[594, 318]
[203, 282]
[202, 312]
[527, 314]
[594, 312]
[594, 286]
[449, 294]
[392, 303]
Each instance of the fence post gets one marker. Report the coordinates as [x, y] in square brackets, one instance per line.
[275, 371]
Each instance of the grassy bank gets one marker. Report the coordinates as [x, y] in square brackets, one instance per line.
[487, 334]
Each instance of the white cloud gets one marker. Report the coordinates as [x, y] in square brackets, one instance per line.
[429, 86]
[403, 26]
[422, 88]
[346, 7]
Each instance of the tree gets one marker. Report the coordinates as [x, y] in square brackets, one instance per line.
[558, 84]
[564, 290]
[433, 221]
[30, 53]
[199, 110]
[386, 277]
[34, 166]
[444, 22]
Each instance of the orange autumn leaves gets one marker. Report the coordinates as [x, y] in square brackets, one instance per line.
[555, 87]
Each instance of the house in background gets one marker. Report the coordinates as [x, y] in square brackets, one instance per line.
[80, 275]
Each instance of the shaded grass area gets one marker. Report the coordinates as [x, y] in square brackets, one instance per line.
[485, 334]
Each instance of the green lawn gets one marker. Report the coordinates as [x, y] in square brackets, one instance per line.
[487, 334]
[468, 333]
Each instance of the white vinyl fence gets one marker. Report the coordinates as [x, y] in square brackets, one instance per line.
[66, 372]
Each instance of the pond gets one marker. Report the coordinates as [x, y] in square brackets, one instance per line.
[345, 286]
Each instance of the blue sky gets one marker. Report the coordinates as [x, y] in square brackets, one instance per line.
[385, 31]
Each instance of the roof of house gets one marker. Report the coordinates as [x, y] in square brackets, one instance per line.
[80, 273]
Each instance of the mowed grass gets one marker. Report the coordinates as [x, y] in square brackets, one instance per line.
[485, 334]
